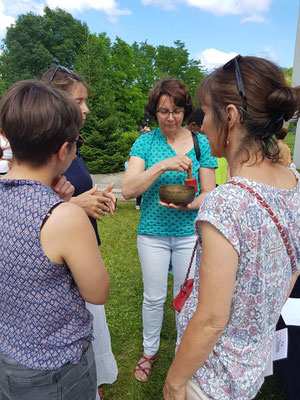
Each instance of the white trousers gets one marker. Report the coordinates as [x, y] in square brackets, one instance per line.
[193, 392]
[106, 366]
[155, 253]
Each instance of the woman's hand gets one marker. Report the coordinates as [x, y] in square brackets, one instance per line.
[111, 198]
[94, 203]
[177, 163]
[208, 183]
[174, 392]
[194, 205]
[63, 187]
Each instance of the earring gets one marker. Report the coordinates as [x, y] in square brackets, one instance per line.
[227, 142]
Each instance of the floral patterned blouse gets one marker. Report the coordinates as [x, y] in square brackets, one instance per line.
[235, 367]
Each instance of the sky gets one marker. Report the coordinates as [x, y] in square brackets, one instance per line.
[213, 31]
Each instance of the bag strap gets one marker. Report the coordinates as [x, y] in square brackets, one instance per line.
[196, 144]
[190, 266]
[275, 219]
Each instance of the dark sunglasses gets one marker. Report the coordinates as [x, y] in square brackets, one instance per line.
[234, 63]
[58, 67]
[79, 142]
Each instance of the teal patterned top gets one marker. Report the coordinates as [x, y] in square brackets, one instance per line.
[156, 219]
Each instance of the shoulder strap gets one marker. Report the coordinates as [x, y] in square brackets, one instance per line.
[49, 213]
[190, 265]
[275, 219]
[196, 144]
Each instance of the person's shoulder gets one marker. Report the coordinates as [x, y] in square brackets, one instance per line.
[143, 142]
[67, 216]
[202, 139]
[226, 197]
[146, 137]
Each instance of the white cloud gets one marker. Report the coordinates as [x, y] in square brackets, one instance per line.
[213, 58]
[18, 7]
[109, 7]
[268, 53]
[253, 18]
[5, 22]
[9, 9]
[218, 7]
[166, 4]
[252, 9]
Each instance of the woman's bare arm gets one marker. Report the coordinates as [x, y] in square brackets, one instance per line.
[68, 236]
[216, 285]
[137, 180]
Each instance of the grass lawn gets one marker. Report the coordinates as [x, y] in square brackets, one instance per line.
[290, 140]
[124, 315]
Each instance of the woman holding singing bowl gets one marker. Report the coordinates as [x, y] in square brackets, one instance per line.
[165, 232]
[249, 230]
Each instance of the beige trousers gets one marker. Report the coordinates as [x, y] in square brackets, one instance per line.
[194, 393]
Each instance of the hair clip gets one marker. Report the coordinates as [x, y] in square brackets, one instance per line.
[281, 118]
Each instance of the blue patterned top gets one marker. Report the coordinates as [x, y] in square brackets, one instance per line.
[156, 219]
[43, 318]
[235, 367]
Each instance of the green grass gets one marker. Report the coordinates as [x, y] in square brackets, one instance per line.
[290, 140]
[124, 313]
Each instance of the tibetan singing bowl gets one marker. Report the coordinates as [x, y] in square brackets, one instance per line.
[179, 195]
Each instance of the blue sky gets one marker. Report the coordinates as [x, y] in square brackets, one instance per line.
[212, 30]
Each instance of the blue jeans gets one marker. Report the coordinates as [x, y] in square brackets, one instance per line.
[155, 253]
[69, 382]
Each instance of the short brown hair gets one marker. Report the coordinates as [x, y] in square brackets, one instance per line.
[269, 101]
[64, 80]
[174, 88]
[281, 134]
[37, 119]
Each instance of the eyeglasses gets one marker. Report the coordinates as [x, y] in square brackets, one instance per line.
[64, 69]
[79, 142]
[176, 112]
[234, 63]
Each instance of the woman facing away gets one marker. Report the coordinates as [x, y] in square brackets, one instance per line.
[165, 231]
[244, 270]
[50, 263]
[96, 205]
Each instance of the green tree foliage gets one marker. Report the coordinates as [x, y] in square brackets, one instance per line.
[129, 97]
[120, 76]
[144, 62]
[94, 63]
[34, 40]
[288, 72]
[174, 61]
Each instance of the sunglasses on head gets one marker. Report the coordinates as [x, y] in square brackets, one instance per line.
[79, 142]
[58, 67]
[240, 85]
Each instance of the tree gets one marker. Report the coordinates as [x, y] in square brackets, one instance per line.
[34, 40]
[106, 147]
[175, 62]
[120, 76]
[129, 97]
[288, 72]
[144, 63]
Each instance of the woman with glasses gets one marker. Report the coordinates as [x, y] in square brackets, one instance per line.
[165, 232]
[96, 205]
[249, 230]
[50, 262]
